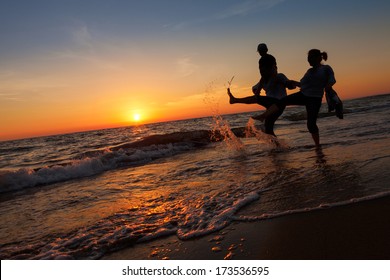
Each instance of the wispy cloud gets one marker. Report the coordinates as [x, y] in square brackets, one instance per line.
[242, 8]
[94, 60]
[85, 47]
[185, 66]
[246, 7]
[82, 36]
[186, 101]
[21, 86]
[9, 88]
[11, 96]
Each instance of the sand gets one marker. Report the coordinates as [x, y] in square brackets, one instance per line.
[357, 231]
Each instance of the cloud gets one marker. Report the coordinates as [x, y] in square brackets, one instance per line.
[82, 37]
[25, 86]
[242, 8]
[186, 101]
[185, 66]
[11, 96]
[246, 7]
[85, 47]
[11, 87]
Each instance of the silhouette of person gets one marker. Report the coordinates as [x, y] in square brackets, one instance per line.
[275, 90]
[318, 78]
[267, 68]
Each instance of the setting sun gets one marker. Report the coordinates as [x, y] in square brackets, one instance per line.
[136, 117]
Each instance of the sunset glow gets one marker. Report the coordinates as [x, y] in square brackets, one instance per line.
[137, 117]
[70, 67]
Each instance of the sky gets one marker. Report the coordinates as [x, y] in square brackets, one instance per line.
[68, 65]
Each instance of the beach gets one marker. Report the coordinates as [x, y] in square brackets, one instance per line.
[208, 188]
[358, 231]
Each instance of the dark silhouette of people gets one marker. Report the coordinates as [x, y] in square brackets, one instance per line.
[318, 78]
[275, 90]
[267, 68]
[274, 85]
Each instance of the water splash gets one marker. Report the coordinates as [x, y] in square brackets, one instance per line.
[252, 131]
[221, 131]
[220, 127]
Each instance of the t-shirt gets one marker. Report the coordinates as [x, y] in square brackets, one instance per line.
[266, 64]
[276, 87]
[315, 80]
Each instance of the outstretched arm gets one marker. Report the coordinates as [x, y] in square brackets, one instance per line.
[286, 82]
[291, 84]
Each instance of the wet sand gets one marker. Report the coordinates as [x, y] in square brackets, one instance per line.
[356, 231]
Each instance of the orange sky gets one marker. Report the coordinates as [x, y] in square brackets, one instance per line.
[77, 74]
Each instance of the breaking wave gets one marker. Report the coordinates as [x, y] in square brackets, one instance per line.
[90, 163]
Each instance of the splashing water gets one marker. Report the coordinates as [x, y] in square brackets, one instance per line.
[252, 131]
[222, 131]
[220, 128]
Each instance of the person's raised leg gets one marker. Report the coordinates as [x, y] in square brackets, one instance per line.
[244, 100]
[292, 99]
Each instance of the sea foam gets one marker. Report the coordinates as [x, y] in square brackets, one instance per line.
[14, 180]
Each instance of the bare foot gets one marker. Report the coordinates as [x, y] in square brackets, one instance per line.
[232, 99]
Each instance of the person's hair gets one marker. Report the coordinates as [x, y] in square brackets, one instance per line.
[316, 52]
[262, 47]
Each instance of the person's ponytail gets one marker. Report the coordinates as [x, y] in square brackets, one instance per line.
[324, 56]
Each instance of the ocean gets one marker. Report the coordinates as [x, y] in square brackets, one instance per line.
[85, 195]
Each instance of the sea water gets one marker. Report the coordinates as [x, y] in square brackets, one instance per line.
[84, 195]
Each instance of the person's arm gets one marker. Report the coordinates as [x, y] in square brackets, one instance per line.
[256, 89]
[286, 82]
[291, 84]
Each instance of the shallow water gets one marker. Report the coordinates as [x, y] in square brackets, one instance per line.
[95, 192]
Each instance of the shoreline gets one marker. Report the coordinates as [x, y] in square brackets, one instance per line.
[356, 231]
